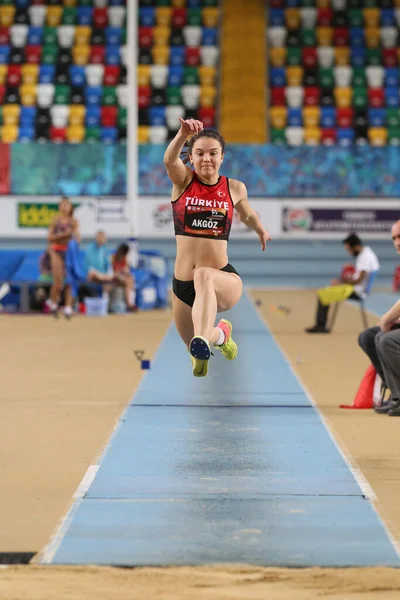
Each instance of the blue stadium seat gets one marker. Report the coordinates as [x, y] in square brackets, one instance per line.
[108, 135]
[157, 115]
[84, 15]
[147, 16]
[92, 117]
[27, 115]
[277, 17]
[293, 3]
[35, 35]
[345, 136]
[358, 57]
[26, 133]
[177, 55]
[392, 78]
[209, 36]
[93, 95]
[116, 2]
[388, 17]
[175, 76]
[77, 76]
[376, 117]
[328, 116]
[357, 37]
[277, 76]
[112, 56]
[47, 73]
[113, 36]
[4, 54]
[392, 97]
[295, 117]
[193, 3]
[22, 3]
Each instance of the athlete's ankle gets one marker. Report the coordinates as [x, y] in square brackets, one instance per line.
[221, 339]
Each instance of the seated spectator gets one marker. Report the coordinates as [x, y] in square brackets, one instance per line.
[382, 346]
[97, 260]
[123, 276]
[352, 286]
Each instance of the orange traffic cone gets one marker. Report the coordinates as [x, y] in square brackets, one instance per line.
[365, 393]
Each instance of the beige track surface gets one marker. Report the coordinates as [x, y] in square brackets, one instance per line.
[64, 385]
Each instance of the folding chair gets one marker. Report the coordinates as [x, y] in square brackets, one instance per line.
[361, 301]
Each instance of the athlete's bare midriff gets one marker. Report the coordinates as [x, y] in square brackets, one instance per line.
[192, 253]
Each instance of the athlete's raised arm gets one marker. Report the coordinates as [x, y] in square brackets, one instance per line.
[179, 174]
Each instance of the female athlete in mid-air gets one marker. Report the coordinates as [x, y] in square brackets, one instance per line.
[202, 202]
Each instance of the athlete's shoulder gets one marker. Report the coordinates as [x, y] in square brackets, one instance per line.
[238, 190]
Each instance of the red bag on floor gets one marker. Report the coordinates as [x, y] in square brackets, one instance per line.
[365, 393]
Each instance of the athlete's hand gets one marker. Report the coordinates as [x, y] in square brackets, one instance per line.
[190, 126]
[264, 237]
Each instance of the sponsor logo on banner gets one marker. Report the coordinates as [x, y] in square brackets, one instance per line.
[338, 220]
[162, 215]
[297, 219]
[36, 215]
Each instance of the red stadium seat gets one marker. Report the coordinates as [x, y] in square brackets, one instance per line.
[14, 75]
[312, 96]
[145, 37]
[278, 97]
[144, 96]
[111, 75]
[4, 36]
[390, 57]
[179, 18]
[97, 54]
[324, 17]
[309, 57]
[100, 18]
[376, 97]
[33, 54]
[328, 136]
[109, 116]
[341, 36]
[207, 116]
[58, 134]
[192, 57]
[345, 117]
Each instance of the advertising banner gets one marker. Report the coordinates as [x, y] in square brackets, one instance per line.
[328, 220]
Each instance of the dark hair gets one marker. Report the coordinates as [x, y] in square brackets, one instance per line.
[206, 133]
[122, 250]
[352, 240]
[66, 199]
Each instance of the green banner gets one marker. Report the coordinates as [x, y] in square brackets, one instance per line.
[36, 215]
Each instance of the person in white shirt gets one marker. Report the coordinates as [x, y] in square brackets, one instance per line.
[352, 287]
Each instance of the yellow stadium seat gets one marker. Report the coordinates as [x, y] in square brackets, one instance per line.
[207, 75]
[160, 55]
[371, 16]
[76, 114]
[163, 15]
[7, 15]
[143, 134]
[294, 75]
[75, 134]
[11, 114]
[207, 96]
[323, 3]
[178, 3]
[342, 56]
[372, 37]
[3, 73]
[312, 136]
[325, 36]
[397, 3]
[210, 16]
[278, 56]
[28, 94]
[30, 73]
[81, 54]
[9, 133]
[343, 96]
[54, 14]
[292, 18]
[161, 35]
[378, 136]
[70, 2]
[311, 116]
[143, 75]
[82, 35]
[278, 116]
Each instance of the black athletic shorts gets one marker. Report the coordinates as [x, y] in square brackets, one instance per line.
[184, 290]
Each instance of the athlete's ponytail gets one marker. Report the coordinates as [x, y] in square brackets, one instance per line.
[187, 150]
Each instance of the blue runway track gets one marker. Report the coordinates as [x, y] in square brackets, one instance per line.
[237, 467]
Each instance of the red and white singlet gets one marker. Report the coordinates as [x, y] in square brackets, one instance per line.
[204, 210]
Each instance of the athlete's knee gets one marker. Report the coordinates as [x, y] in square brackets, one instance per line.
[202, 276]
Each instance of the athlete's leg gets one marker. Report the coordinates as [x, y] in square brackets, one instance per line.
[183, 319]
[216, 291]
[57, 272]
